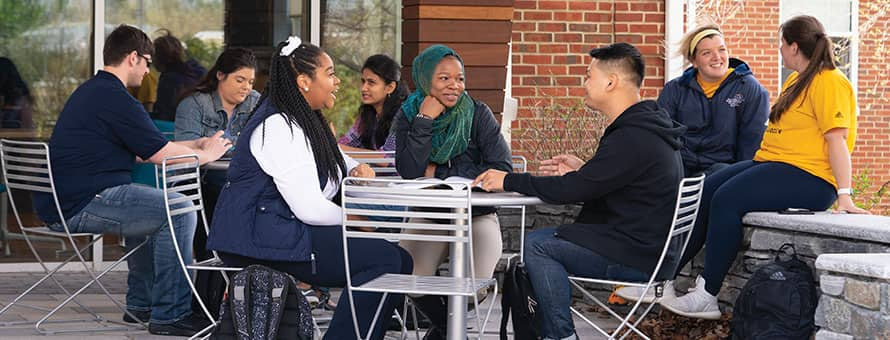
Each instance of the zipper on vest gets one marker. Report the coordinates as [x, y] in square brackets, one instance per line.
[312, 259]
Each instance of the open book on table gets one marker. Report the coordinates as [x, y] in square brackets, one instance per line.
[437, 183]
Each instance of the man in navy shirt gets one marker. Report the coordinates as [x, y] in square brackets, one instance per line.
[99, 135]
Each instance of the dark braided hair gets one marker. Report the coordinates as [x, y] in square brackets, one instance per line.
[284, 93]
[374, 135]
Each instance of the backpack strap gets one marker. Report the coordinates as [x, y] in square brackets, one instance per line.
[239, 298]
[784, 250]
[278, 293]
[507, 296]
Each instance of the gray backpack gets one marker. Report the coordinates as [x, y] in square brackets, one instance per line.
[263, 303]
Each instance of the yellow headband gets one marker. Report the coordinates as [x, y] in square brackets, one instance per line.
[698, 37]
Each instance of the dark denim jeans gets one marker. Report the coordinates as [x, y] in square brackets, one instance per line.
[550, 260]
[155, 281]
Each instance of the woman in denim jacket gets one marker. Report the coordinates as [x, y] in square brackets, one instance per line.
[222, 100]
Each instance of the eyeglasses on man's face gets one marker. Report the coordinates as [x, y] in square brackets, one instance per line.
[147, 59]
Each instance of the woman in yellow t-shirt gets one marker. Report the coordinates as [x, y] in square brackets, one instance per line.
[803, 162]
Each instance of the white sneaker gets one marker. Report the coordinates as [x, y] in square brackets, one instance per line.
[697, 303]
[633, 293]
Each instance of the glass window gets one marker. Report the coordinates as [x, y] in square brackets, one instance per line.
[47, 45]
[197, 23]
[44, 55]
[352, 31]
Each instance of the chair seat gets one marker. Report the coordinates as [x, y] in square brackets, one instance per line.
[434, 285]
[212, 264]
[49, 232]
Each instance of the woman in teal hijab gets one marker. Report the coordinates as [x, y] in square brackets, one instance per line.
[442, 132]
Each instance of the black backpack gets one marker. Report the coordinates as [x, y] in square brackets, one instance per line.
[263, 303]
[519, 299]
[778, 302]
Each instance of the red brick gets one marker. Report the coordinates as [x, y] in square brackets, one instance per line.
[631, 17]
[553, 48]
[552, 27]
[542, 37]
[552, 70]
[568, 16]
[552, 5]
[537, 15]
[568, 37]
[582, 5]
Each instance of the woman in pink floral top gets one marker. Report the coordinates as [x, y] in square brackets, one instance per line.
[382, 95]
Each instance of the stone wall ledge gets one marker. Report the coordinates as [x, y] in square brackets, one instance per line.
[876, 266]
[872, 228]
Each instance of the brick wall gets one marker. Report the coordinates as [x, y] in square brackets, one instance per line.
[873, 143]
[551, 38]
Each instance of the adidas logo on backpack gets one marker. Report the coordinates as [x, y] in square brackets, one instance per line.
[777, 276]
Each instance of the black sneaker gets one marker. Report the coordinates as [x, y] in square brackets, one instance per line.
[141, 316]
[185, 327]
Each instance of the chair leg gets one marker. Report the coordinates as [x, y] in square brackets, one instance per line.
[95, 279]
[49, 274]
[625, 320]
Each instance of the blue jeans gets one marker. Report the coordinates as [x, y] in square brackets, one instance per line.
[155, 281]
[549, 261]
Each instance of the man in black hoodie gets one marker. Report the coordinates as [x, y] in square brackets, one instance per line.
[628, 188]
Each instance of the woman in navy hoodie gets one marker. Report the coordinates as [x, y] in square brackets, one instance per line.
[723, 107]
[279, 205]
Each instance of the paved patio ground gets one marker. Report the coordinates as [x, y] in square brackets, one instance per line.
[48, 295]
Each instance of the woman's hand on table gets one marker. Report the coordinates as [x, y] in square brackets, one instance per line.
[491, 180]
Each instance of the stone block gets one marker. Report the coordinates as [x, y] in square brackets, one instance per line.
[833, 314]
[885, 298]
[768, 239]
[863, 293]
[832, 285]
[829, 335]
[865, 324]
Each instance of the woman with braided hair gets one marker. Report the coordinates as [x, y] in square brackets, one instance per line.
[278, 207]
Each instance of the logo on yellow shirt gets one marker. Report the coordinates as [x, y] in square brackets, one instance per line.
[839, 115]
[775, 130]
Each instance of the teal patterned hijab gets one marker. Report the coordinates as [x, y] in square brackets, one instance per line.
[451, 130]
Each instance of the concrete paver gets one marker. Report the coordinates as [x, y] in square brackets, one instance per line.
[48, 295]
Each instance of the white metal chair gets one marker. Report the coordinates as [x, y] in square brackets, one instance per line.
[685, 211]
[26, 166]
[382, 162]
[181, 175]
[450, 207]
